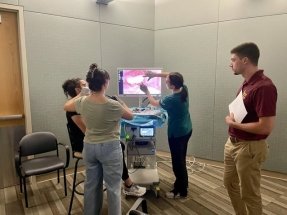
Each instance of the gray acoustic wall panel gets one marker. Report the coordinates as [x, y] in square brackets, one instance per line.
[240, 9]
[58, 48]
[64, 37]
[263, 22]
[192, 52]
[171, 13]
[270, 41]
[139, 13]
[131, 47]
[14, 2]
[79, 9]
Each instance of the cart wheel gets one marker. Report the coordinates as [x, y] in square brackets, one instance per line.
[157, 189]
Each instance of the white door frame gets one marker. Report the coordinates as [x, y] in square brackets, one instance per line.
[23, 61]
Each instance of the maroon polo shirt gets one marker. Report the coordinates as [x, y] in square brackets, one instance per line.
[259, 97]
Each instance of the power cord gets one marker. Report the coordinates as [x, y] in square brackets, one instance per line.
[192, 165]
[195, 166]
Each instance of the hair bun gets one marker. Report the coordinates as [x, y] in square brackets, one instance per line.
[93, 66]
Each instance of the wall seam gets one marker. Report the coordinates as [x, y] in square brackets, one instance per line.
[215, 84]
[100, 26]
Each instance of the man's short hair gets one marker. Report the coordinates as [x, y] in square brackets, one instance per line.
[249, 50]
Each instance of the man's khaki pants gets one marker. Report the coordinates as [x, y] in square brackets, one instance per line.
[242, 173]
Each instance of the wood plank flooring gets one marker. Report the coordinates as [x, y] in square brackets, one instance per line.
[207, 196]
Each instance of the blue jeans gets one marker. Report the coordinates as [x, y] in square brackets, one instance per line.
[103, 162]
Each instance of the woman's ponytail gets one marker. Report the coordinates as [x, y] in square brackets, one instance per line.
[176, 79]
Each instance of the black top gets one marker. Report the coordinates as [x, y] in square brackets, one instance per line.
[76, 135]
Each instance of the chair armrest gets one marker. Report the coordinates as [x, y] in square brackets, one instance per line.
[67, 154]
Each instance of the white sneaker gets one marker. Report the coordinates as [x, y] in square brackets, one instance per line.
[134, 190]
[172, 195]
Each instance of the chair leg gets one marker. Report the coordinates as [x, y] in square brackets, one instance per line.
[74, 186]
[65, 182]
[144, 206]
[20, 184]
[25, 192]
[134, 209]
[58, 172]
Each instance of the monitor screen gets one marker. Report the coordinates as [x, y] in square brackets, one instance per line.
[129, 80]
[146, 132]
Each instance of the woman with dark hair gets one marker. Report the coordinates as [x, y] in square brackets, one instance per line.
[179, 126]
[102, 150]
[72, 88]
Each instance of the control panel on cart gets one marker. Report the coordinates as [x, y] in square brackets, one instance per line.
[141, 147]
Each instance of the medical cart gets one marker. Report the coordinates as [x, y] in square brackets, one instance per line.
[139, 136]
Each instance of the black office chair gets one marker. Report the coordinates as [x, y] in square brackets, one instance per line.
[78, 156]
[36, 144]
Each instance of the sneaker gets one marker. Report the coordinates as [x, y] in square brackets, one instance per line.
[134, 190]
[174, 195]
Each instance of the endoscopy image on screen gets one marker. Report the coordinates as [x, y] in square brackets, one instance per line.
[129, 80]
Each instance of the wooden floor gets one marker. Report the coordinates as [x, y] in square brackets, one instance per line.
[207, 196]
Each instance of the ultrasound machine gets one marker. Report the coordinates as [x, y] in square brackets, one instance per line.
[139, 134]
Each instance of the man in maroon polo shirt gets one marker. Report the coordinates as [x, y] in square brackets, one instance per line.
[246, 148]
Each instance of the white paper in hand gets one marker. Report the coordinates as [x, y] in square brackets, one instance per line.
[237, 107]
